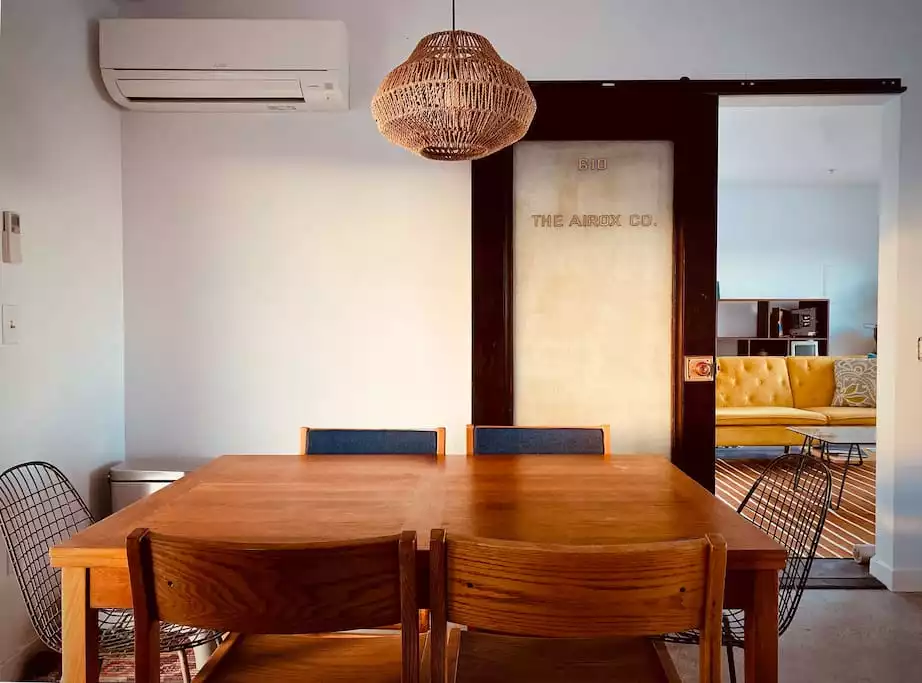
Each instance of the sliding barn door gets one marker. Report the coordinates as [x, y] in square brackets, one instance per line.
[594, 244]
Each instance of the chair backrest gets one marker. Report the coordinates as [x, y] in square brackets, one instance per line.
[252, 588]
[372, 441]
[39, 508]
[549, 591]
[789, 502]
[538, 440]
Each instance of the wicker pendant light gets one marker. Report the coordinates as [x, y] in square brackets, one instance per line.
[454, 99]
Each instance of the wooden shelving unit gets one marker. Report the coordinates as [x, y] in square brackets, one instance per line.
[747, 327]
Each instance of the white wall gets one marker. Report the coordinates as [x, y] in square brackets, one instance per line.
[277, 275]
[899, 393]
[61, 389]
[799, 207]
[802, 242]
[289, 270]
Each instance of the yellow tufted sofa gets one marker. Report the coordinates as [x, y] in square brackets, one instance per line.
[759, 397]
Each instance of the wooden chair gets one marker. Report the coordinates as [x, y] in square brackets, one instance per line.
[268, 596]
[538, 440]
[373, 441]
[578, 613]
[377, 442]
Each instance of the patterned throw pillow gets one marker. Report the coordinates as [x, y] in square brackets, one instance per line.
[856, 383]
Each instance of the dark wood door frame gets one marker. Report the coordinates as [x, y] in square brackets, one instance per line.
[594, 112]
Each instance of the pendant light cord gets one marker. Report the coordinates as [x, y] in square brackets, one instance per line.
[453, 14]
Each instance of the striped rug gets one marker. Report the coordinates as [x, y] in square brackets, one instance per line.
[851, 524]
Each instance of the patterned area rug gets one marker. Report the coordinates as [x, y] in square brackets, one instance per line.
[853, 523]
[114, 669]
[121, 669]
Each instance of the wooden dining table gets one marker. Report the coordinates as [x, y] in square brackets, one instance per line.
[539, 498]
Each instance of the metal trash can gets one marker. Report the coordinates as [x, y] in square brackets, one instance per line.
[136, 478]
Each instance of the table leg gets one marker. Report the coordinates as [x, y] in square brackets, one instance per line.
[805, 449]
[762, 629]
[79, 628]
[848, 462]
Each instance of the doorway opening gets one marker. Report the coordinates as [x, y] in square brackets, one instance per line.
[798, 232]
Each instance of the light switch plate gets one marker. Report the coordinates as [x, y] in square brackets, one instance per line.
[10, 324]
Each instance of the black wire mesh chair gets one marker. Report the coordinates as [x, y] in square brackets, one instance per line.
[789, 503]
[40, 508]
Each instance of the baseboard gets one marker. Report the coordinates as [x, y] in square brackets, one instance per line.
[11, 669]
[897, 580]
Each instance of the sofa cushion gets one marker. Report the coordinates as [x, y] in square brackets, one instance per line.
[813, 380]
[768, 415]
[856, 382]
[745, 381]
[849, 416]
[749, 435]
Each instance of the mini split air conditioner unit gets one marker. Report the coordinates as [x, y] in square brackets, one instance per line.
[237, 65]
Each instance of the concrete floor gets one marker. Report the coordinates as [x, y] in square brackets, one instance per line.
[842, 636]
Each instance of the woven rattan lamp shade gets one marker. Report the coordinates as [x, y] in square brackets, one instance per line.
[454, 99]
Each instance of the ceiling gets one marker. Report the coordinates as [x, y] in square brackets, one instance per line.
[800, 144]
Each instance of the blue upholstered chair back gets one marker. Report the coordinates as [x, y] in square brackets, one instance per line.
[539, 440]
[373, 441]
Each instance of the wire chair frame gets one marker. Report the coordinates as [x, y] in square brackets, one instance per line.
[789, 502]
[39, 508]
